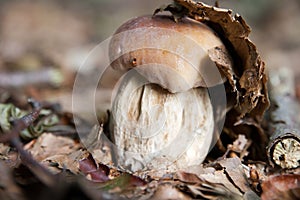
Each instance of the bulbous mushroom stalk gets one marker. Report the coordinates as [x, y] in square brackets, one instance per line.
[153, 128]
[162, 116]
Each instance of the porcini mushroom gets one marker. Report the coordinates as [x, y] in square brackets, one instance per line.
[162, 115]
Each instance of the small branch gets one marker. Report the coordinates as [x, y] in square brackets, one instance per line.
[41, 172]
[284, 146]
[27, 120]
[13, 138]
[47, 76]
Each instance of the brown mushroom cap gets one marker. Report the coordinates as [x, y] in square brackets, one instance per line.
[173, 55]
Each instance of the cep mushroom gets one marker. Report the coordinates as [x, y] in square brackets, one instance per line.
[162, 116]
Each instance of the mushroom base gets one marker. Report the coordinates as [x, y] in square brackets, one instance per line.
[155, 129]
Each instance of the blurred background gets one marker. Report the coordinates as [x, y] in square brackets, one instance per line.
[43, 42]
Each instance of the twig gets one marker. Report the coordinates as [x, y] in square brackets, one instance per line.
[284, 146]
[47, 76]
[13, 138]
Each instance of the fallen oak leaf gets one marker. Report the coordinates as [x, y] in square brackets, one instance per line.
[188, 177]
[96, 172]
[48, 145]
[240, 146]
[285, 187]
[169, 191]
[178, 12]
[122, 183]
[88, 164]
[99, 174]
[225, 178]
[247, 79]
[209, 190]
[12, 136]
[68, 162]
[210, 184]
[235, 172]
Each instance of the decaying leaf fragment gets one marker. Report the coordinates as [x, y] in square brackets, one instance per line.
[281, 187]
[97, 172]
[247, 89]
[9, 112]
[226, 179]
[169, 191]
[58, 152]
[247, 78]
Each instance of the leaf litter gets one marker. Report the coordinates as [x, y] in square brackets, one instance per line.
[73, 168]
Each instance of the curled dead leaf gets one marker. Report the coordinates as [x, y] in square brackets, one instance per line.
[226, 180]
[247, 81]
[281, 187]
[169, 191]
[97, 172]
[247, 78]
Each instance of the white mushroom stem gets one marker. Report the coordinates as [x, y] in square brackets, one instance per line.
[153, 128]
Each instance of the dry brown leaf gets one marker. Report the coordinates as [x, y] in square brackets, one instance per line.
[250, 195]
[235, 170]
[9, 156]
[247, 77]
[8, 188]
[260, 168]
[67, 161]
[240, 146]
[4, 149]
[220, 178]
[285, 187]
[49, 145]
[188, 177]
[247, 89]
[169, 191]
[206, 186]
[96, 172]
[99, 145]
[214, 182]
[228, 178]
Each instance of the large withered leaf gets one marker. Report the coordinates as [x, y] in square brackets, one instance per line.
[97, 172]
[169, 191]
[246, 88]
[57, 152]
[106, 179]
[226, 180]
[247, 78]
[281, 187]
[125, 184]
